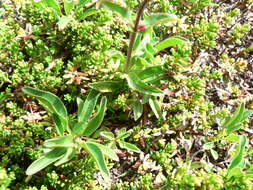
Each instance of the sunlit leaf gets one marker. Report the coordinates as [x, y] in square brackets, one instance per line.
[54, 4]
[208, 146]
[71, 152]
[108, 135]
[152, 74]
[135, 83]
[97, 154]
[63, 22]
[79, 128]
[239, 156]
[95, 122]
[129, 146]
[54, 104]
[124, 12]
[169, 42]
[106, 86]
[86, 108]
[214, 154]
[46, 160]
[107, 151]
[68, 6]
[88, 12]
[160, 18]
[156, 108]
[60, 123]
[137, 109]
[66, 141]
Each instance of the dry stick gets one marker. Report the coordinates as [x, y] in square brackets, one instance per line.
[133, 34]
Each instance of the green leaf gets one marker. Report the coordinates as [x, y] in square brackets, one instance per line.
[63, 22]
[125, 13]
[54, 104]
[137, 41]
[208, 146]
[68, 6]
[129, 146]
[97, 154]
[107, 151]
[106, 86]
[172, 41]
[71, 152]
[54, 4]
[46, 160]
[88, 12]
[239, 156]
[79, 128]
[86, 108]
[160, 18]
[135, 83]
[137, 109]
[94, 123]
[152, 74]
[108, 135]
[154, 104]
[247, 113]
[233, 137]
[66, 141]
[60, 123]
[232, 124]
[214, 154]
[123, 134]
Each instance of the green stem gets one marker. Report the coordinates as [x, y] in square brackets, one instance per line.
[133, 34]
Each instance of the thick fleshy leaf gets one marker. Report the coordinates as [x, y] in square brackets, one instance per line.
[97, 154]
[154, 104]
[79, 128]
[135, 83]
[95, 122]
[66, 141]
[54, 4]
[160, 18]
[152, 74]
[124, 12]
[60, 123]
[54, 104]
[71, 152]
[232, 124]
[239, 156]
[129, 146]
[169, 42]
[86, 108]
[108, 135]
[106, 86]
[68, 6]
[46, 160]
[63, 22]
[88, 12]
[137, 109]
[107, 151]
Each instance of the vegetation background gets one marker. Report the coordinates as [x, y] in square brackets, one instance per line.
[204, 82]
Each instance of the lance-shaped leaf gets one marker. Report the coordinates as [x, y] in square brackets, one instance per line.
[129, 146]
[53, 103]
[123, 133]
[60, 123]
[86, 108]
[169, 42]
[66, 141]
[107, 151]
[97, 154]
[160, 18]
[68, 6]
[106, 86]
[108, 135]
[95, 122]
[79, 128]
[54, 4]
[137, 41]
[88, 12]
[232, 124]
[46, 160]
[137, 109]
[152, 74]
[135, 83]
[125, 13]
[239, 156]
[247, 113]
[71, 152]
[154, 104]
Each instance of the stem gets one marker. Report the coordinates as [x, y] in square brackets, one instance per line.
[133, 34]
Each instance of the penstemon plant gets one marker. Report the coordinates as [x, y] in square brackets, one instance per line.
[140, 67]
[72, 137]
